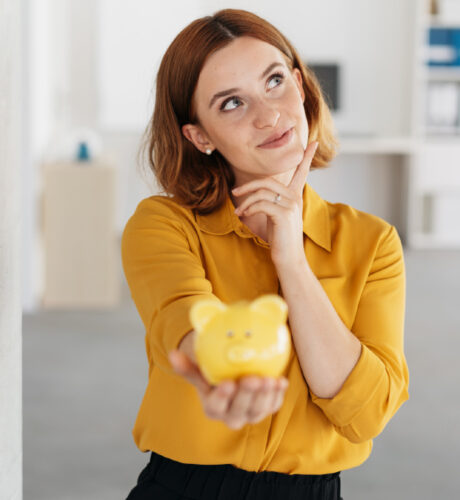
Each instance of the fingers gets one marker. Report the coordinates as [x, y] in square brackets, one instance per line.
[267, 195]
[263, 401]
[300, 175]
[251, 399]
[278, 397]
[216, 402]
[243, 402]
[268, 183]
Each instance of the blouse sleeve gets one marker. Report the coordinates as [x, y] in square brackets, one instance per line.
[165, 278]
[378, 384]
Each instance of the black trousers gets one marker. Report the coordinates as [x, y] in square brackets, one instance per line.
[165, 479]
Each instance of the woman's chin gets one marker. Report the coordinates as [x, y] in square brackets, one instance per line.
[276, 164]
[294, 157]
[287, 165]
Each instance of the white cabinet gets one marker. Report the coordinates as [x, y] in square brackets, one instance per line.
[81, 249]
[435, 195]
[434, 177]
[428, 149]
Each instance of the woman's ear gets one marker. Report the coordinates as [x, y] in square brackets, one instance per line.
[299, 81]
[196, 136]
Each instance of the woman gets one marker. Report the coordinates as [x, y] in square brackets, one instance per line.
[238, 122]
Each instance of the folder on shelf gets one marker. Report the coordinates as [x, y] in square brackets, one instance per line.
[444, 47]
[455, 38]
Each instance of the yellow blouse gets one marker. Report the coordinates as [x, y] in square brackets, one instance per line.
[173, 257]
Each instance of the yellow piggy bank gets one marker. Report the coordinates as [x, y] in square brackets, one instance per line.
[245, 338]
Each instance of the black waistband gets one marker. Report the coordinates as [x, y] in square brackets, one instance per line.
[199, 478]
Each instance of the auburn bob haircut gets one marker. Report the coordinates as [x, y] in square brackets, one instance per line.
[198, 181]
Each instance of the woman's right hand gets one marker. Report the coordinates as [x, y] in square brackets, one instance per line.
[236, 402]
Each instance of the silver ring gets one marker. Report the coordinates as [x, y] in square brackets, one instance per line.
[277, 198]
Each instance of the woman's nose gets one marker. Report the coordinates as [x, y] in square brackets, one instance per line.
[266, 116]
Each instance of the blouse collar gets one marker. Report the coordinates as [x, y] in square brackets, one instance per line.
[316, 220]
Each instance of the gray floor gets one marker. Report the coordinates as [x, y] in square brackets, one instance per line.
[85, 374]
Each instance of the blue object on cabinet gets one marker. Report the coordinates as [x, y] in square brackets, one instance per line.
[441, 47]
[83, 152]
[439, 36]
[455, 38]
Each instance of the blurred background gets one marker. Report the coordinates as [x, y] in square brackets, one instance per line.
[78, 91]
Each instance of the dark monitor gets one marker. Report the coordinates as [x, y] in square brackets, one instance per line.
[328, 77]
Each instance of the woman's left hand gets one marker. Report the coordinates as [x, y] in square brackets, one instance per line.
[284, 217]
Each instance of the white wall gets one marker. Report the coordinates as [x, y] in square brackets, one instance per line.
[131, 40]
[38, 107]
[11, 141]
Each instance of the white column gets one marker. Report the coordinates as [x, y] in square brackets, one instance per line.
[11, 85]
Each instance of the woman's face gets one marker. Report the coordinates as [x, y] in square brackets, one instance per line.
[246, 94]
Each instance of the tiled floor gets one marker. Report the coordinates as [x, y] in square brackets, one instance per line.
[85, 374]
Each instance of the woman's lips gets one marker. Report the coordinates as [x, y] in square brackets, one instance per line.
[284, 139]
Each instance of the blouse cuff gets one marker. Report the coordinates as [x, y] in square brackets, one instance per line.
[365, 380]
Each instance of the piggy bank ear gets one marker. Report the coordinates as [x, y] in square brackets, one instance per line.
[201, 312]
[271, 305]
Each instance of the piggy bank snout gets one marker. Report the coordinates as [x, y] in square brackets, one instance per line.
[240, 353]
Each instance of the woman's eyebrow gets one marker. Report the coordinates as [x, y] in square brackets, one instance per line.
[223, 93]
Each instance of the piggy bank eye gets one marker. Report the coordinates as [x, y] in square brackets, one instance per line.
[230, 333]
[247, 334]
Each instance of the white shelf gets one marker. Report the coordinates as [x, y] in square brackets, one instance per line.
[443, 139]
[453, 133]
[443, 73]
[376, 145]
[395, 145]
[427, 240]
[441, 190]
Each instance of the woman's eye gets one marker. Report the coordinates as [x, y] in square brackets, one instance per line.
[224, 104]
[277, 75]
